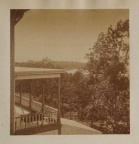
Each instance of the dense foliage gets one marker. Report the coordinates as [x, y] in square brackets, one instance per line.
[108, 66]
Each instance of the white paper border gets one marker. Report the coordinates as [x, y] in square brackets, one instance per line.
[5, 6]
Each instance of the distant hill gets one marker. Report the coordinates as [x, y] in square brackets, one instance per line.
[47, 63]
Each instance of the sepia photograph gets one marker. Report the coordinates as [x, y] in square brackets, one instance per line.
[69, 71]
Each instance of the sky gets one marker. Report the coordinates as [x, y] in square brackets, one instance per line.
[62, 35]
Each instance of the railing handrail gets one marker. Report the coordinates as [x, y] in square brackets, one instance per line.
[51, 108]
[25, 115]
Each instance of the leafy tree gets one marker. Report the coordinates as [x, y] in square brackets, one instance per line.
[68, 96]
[108, 63]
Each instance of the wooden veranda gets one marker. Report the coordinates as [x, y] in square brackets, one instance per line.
[44, 118]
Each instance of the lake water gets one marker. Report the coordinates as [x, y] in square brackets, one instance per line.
[71, 71]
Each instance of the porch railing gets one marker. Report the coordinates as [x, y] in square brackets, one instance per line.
[35, 106]
[36, 119]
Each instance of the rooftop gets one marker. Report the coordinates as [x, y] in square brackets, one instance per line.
[34, 73]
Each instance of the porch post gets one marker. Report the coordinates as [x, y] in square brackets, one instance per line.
[43, 96]
[59, 110]
[30, 98]
[12, 79]
[20, 92]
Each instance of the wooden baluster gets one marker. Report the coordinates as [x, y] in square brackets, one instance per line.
[18, 123]
[41, 119]
[15, 125]
[56, 116]
[46, 118]
[50, 117]
[32, 120]
[36, 119]
[22, 122]
[25, 121]
[53, 117]
[29, 121]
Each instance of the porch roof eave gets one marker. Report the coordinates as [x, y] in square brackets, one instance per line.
[36, 73]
